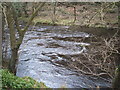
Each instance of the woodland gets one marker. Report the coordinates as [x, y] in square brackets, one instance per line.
[60, 45]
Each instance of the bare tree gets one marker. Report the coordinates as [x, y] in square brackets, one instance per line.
[15, 42]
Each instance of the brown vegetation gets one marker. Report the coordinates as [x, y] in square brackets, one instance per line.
[100, 59]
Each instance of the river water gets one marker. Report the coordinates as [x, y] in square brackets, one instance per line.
[41, 57]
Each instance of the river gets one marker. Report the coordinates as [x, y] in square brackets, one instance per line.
[41, 57]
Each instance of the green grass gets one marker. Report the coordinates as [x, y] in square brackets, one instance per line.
[48, 21]
[11, 81]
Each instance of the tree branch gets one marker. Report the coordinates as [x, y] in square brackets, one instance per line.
[28, 24]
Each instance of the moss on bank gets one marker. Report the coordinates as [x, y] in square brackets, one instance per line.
[11, 81]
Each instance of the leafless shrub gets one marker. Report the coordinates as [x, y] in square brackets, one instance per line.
[100, 59]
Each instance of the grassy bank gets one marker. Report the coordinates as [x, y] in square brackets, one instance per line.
[11, 81]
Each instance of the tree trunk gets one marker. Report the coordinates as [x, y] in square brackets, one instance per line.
[10, 23]
[116, 81]
[54, 12]
[75, 18]
[13, 61]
